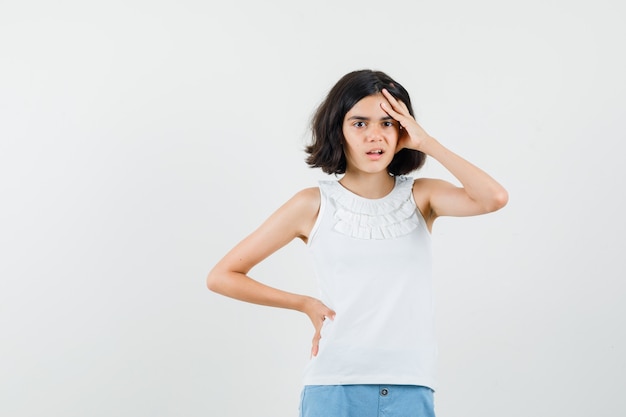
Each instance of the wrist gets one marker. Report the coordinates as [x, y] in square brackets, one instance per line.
[429, 145]
[302, 302]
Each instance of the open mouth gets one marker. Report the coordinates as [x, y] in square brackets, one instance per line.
[375, 152]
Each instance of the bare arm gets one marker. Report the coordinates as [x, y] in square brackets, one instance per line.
[230, 277]
[479, 193]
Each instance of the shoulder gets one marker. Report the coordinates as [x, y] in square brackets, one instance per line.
[295, 217]
[305, 203]
[302, 202]
[304, 206]
[307, 198]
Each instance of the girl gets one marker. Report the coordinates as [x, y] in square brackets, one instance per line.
[374, 350]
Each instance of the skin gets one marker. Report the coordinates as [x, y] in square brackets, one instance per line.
[377, 122]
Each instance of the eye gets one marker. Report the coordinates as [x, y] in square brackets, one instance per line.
[358, 124]
[388, 123]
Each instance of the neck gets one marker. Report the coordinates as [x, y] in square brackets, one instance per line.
[375, 185]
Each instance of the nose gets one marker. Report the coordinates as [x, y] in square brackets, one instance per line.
[374, 133]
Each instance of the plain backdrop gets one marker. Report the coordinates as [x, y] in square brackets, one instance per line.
[141, 140]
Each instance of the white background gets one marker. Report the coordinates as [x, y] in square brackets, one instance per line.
[141, 140]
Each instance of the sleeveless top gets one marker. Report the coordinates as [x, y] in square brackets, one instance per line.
[372, 260]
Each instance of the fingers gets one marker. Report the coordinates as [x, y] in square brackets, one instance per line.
[318, 330]
[390, 111]
[318, 312]
[317, 336]
[330, 314]
[316, 342]
[396, 109]
[396, 105]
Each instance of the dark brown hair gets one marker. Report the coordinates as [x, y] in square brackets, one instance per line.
[326, 148]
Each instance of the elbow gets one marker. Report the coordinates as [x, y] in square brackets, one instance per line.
[212, 282]
[493, 201]
[222, 280]
[499, 200]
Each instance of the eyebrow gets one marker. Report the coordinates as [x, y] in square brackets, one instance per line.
[367, 118]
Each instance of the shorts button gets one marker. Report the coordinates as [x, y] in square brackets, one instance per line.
[384, 392]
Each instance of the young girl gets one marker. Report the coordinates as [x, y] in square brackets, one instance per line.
[374, 349]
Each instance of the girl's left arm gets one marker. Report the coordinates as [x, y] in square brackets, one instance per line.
[479, 193]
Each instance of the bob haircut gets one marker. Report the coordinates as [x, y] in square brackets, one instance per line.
[326, 149]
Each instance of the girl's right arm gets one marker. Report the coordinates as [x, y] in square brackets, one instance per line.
[229, 276]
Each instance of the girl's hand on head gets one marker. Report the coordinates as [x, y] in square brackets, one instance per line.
[411, 136]
[317, 312]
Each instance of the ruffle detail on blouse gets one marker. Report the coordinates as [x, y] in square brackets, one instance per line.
[389, 217]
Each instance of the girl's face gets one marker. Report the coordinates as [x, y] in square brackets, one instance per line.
[370, 134]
